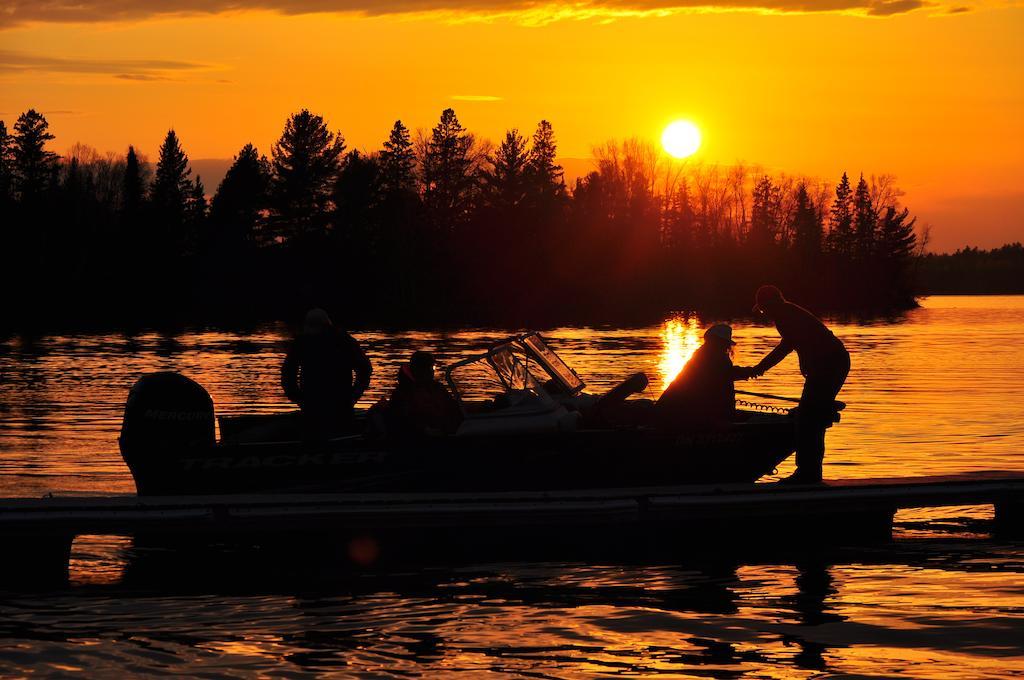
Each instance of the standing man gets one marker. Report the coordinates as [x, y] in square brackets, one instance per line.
[824, 362]
[317, 374]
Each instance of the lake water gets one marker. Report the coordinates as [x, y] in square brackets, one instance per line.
[937, 390]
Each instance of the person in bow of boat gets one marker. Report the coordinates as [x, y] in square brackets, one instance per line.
[824, 363]
[702, 396]
[317, 374]
[420, 404]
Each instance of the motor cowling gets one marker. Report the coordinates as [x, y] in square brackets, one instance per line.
[166, 412]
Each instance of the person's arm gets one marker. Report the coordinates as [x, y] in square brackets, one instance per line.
[743, 372]
[290, 375]
[364, 369]
[770, 360]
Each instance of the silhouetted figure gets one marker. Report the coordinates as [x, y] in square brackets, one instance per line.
[824, 363]
[317, 374]
[702, 395]
[420, 404]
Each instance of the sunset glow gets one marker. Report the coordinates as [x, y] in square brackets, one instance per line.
[680, 339]
[810, 93]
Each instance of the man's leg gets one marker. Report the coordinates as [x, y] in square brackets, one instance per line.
[817, 406]
[810, 449]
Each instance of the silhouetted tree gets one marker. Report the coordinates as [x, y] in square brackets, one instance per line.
[304, 167]
[6, 169]
[241, 198]
[679, 218]
[438, 230]
[397, 162]
[35, 167]
[545, 173]
[764, 213]
[195, 203]
[840, 233]
[448, 172]
[402, 236]
[895, 248]
[171, 185]
[505, 182]
[356, 199]
[971, 271]
[896, 237]
[865, 221]
[132, 185]
[807, 232]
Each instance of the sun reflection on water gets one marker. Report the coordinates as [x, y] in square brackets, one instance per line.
[680, 339]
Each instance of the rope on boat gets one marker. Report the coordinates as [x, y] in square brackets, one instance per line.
[762, 407]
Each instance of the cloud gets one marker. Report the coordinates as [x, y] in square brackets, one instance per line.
[885, 8]
[124, 69]
[141, 77]
[18, 12]
[475, 98]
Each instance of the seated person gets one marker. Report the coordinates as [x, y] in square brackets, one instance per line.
[420, 404]
[702, 395]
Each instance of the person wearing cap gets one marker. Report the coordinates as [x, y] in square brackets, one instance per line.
[702, 396]
[317, 374]
[420, 404]
[824, 363]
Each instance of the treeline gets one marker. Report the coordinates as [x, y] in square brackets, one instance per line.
[971, 271]
[439, 227]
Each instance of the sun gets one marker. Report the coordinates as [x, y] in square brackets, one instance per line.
[681, 139]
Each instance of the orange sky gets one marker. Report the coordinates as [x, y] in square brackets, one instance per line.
[933, 95]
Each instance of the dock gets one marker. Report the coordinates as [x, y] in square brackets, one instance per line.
[37, 533]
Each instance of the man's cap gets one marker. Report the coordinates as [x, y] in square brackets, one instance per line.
[722, 331]
[316, 320]
[766, 293]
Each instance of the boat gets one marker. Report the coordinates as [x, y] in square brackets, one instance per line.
[528, 425]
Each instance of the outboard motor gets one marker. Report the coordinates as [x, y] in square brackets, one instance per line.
[167, 418]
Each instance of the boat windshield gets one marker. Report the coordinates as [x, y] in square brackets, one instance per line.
[522, 367]
[558, 369]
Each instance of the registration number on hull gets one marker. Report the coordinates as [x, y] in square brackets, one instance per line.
[283, 460]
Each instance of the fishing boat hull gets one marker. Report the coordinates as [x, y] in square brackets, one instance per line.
[579, 459]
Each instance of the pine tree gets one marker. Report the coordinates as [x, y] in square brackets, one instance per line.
[196, 235]
[195, 202]
[807, 232]
[398, 162]
[506, 180]
[895, 249]
[304, 165]
[840, 234]
[545, 173]
[356, 197]
[35, 168]
[131, 184]
[896, 237]
[448, 172]
[236, 208]
[401, 237]
[679, 218]
[865, 221]
[171, 185]
[6, 168]
[764, 213]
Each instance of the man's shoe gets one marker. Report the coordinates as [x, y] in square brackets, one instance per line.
[801, 478]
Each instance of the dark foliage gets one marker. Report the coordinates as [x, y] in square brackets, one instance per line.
[971, 271]
[443, 229]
